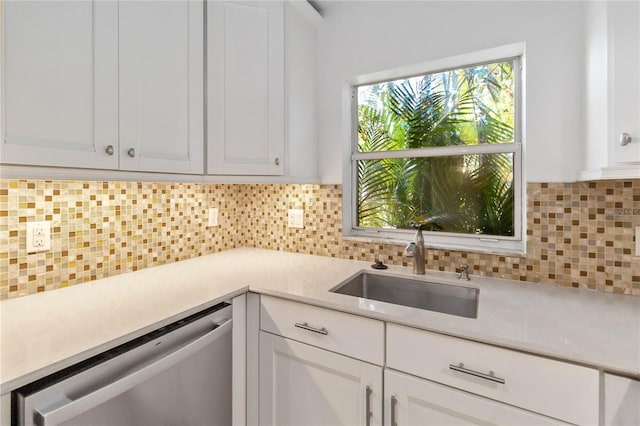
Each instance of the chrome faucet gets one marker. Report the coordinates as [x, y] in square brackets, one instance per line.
[415, 250]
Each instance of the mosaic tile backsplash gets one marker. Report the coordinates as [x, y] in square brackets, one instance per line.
[100, 229]
[578, 234]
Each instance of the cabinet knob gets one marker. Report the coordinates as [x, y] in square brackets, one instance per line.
[625, 139]
[109, 150]
[277, 161]
[131, 153]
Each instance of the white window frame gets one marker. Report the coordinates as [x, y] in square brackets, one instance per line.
[515, 244]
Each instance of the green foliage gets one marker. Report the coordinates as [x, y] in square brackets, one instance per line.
[470, 194]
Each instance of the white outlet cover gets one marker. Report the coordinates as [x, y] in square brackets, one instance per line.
[213, 217]
[295, 218]
[38, 236]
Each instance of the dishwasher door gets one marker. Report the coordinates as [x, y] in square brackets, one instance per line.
[177, 375]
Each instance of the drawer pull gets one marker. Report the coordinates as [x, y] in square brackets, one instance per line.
[394, 403]
[367, 408]
[307, 327]
[491, 377]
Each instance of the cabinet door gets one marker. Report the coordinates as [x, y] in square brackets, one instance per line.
[161, 86]
[5, 409]
[624, 67]
[245, 93]
[304, 385]
[60, 83]
[621, 401]
[413, 401]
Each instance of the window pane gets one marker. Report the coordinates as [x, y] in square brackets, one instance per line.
[471, 194]
[465, 106]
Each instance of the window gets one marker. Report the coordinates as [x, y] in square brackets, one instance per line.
[441, 149]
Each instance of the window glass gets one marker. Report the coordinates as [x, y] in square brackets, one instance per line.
[465, 106]
[460, 162]
[469, 194]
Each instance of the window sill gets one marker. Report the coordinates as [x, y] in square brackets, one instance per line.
[461, 247]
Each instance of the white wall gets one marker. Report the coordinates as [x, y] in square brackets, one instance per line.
[365, 37]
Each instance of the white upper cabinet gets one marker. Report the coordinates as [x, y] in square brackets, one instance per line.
[300, 70]
[104, 84]
[245, 96]
[612, 90]
[60, 88]
[624, 63]
[121, 85]
[161, 51]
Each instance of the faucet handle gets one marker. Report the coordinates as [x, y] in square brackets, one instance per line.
[410, 249]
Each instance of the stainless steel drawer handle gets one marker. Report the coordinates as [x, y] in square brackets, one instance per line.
[491, 376]
[307, 327]
[394, 403]
[367, 406]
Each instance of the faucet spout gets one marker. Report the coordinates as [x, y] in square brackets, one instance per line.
[416, 251]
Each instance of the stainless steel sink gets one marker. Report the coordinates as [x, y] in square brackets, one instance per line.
[448, 299]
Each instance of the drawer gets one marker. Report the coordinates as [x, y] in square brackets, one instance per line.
[557, 389]
[351, 335]
[621, 401]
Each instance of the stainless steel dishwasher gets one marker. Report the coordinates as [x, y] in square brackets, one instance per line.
[177, 375]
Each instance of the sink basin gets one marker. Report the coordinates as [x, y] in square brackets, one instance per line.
[448, 299]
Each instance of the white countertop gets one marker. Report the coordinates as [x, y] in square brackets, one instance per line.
[43, 333]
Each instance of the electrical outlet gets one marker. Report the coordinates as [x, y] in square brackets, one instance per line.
[295, 218]
[213, 216]
[38, 236]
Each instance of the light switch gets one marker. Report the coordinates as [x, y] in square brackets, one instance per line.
[295, 218]
[213, 216]
[38, 236]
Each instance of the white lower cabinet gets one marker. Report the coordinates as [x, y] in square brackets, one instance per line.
[304, 385]
[318, 366]
[5, 409]
[413, 401]
[552, 388]
[621, 401]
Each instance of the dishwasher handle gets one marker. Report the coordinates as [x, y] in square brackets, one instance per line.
[68, 409]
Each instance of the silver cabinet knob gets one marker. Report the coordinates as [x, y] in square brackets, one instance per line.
[131, 153]
[277, 161]
[109, 150]
[625, 139]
